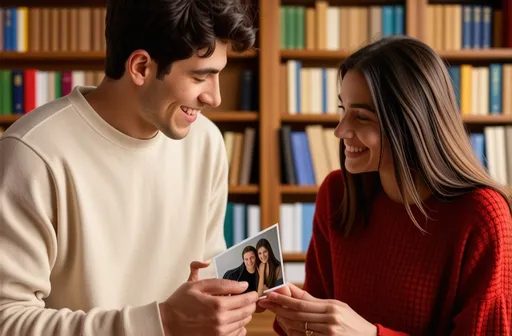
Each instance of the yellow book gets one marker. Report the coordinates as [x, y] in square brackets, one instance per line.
[465, 88]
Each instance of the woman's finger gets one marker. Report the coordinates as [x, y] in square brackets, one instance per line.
[299, 327]
[296, 304]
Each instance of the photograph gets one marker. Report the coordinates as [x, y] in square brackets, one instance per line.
[257, 260]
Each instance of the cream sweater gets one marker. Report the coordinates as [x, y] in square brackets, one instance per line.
[97, 227]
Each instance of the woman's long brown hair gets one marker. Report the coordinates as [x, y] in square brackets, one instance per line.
[418, 115]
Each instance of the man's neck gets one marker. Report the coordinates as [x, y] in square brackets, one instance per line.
[251, 271]
[114, 102]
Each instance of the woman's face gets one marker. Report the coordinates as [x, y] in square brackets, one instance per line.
[359, 127]
[263, 254]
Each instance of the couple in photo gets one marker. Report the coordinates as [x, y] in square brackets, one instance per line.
[260, 268]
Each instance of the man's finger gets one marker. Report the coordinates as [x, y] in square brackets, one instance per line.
[194, 269]
[235, 302]
[296, 304]
[221, 286]
[235, 315]
[235, 327]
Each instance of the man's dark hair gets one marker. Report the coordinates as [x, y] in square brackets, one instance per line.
[249, 248]
[172, 30]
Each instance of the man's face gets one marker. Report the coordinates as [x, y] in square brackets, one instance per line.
[172, 104]
[249, 260]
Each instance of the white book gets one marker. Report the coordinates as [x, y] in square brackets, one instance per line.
[333, 28]
[483, 90]
[316, 91]
[291, 73]
[500, 154]
[475, 94]
[41, 88]
[287, 225]
[332, 91]
[253, 220]
[297, 226]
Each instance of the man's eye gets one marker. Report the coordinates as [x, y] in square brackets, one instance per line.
[199, 79]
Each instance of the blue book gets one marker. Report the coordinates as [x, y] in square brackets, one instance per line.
[476, 26]
[478, 145]
[308, 214]
[399, 20]
[308, 161]
[8, 29]
[454, 72]
[17, 92]
[388, 23]
[467, 34]
[324, 90]
[486, 27]
[495, 88]
[299, 158]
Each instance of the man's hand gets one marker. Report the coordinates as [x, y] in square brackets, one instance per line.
[205, 307]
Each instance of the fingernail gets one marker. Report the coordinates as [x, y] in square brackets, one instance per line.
[243, 284]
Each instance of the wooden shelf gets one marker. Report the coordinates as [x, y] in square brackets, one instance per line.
[334, 118]
[310, 118]
[80, 56]
[298, 190]
[9, 119]
[232, 116]
[228, 116]
[244, 189]
[294, 257]
[315, 55]
[493, 54]
[488, 120]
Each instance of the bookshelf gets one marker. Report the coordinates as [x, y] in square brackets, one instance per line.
[267, 60]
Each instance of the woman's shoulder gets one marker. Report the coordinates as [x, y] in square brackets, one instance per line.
[484, 201]
[485, 207]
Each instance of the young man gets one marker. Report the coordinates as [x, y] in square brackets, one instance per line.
[246, 271]
[109, 194]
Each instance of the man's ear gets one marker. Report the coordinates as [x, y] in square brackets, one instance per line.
[138, 66]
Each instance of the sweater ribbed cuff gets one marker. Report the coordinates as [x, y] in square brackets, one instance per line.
[144, 320]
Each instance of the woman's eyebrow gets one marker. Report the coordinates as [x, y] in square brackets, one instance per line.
[359, 105]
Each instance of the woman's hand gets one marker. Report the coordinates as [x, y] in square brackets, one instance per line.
[302, 312]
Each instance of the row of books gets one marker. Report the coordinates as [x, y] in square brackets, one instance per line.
[456, 27]
[479, 89]
[493, 148]
[335, 27]
[241, 221]
[52, 29]
[241, 149]
[482, 90]
[309, 90]
[307, 157]
[296, 222]
[23, 90]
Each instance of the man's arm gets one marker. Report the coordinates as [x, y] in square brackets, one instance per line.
[28, 250]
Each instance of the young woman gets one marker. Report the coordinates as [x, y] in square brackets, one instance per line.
[412, 236]
[269, 268]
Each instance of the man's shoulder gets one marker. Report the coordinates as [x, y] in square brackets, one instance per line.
[42, 122]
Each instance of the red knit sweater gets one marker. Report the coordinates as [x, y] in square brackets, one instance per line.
[454, 280]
